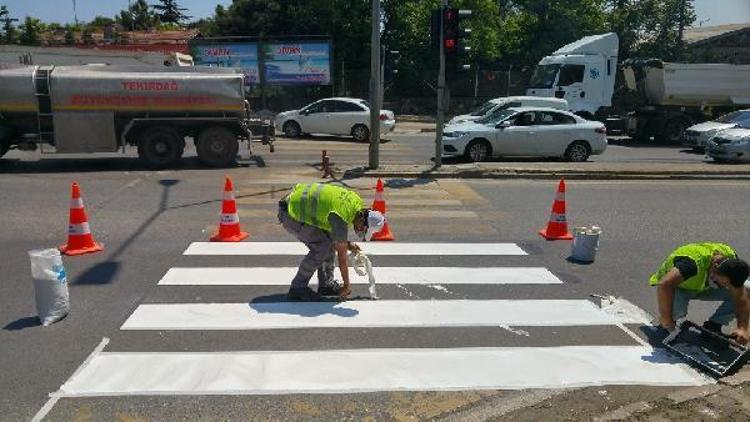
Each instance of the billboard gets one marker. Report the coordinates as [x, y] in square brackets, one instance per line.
[297, 63]
[239, 55]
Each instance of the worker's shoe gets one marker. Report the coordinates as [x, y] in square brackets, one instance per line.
[331, 288]
[304, 294]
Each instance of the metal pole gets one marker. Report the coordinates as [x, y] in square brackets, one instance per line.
[441, 95]
[375, 106]
[382, 75]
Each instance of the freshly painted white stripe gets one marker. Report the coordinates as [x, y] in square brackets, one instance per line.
[349, 371]
[370, 248]
[272, 276]
[381, 313]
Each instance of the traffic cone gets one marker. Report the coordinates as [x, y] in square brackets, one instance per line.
[557, 228]
[229, 224]
[379, 205]
[80, 240]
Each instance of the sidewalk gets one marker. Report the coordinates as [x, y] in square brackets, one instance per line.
[555, 170]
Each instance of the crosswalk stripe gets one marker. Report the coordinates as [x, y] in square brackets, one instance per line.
[398, 213]
[399, 202]
[369, 248]
[366, 370]
[267, 276]
[366, 313]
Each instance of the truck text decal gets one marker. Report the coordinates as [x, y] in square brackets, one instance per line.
[150, 86]
[142, 100]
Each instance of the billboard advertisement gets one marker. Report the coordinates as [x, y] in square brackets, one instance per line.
[295, 63]
[240, 55]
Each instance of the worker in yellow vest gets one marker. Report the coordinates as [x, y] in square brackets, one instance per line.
[704, 271]
[319, 215]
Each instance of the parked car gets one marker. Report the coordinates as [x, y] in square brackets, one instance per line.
[731, 145]
[696, 136]
[333, 116]
[495, 105]
[526, 131]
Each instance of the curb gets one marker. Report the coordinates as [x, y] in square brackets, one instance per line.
[531, 174]
[632, 410]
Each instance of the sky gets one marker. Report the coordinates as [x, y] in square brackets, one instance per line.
[710, 12]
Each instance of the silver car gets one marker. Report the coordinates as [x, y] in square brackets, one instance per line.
[731, 145]
[697, 136]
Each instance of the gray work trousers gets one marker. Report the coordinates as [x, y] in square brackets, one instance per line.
[321, 254]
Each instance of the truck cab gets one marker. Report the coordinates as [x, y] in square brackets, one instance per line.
[582, 72]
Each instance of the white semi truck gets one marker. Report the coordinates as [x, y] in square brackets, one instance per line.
[671, 96]
[90, 109]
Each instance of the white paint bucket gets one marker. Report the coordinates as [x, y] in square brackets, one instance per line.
[585, 243]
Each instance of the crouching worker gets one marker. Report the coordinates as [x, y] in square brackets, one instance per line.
[319, 215]
[704, 271]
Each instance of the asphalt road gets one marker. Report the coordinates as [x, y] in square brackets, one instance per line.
[146, 219]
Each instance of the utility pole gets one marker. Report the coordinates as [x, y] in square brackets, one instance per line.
[375, 106]
[440, 92]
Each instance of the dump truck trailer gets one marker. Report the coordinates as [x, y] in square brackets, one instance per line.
[90, 109]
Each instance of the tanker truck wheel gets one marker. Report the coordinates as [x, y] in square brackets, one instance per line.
[160, 147]
[217, 147]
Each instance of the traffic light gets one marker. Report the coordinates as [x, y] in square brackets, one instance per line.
[453, 36]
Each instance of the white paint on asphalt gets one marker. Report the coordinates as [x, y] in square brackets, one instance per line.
[364, 370]
[370, 248]
[432, 276]
[515, 331]
[382, 313]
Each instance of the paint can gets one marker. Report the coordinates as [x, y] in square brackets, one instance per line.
[585, 243]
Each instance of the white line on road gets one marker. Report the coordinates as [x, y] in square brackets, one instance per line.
[365, 313]
[370, 248]
[364, 370]
[270, 276]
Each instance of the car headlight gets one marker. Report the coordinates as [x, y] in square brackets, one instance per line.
[457, 134]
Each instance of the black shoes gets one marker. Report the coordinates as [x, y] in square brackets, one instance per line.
[305, 294]
[331, 289]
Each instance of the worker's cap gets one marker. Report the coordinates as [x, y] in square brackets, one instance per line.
[375, 223]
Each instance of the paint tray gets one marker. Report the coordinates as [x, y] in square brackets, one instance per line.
[715, 354]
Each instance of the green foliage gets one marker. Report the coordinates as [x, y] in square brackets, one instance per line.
[9, 32]
[31, 31]
[168, 11]
[138, 16]
[101, 22]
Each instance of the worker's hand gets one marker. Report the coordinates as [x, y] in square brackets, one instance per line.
[345, 291]
[740, 336]
[667, 323]
[353, 247]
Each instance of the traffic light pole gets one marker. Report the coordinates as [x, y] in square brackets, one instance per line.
[441, 88]
[375, 81]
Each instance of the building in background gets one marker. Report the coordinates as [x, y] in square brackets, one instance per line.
[719, 44]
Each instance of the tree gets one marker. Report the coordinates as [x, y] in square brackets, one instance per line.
[170, 12]
[70, 38]
[101, 22]
[9, 31]
[664, 22]
[137, 17]
[31, 31]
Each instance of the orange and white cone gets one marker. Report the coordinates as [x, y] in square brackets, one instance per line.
[229, 223]
[80, 240]
[557, 228]
[379, 205]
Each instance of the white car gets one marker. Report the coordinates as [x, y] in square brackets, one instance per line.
[526, 131]
[696, 136]
[496, 105]
[333, 116]
[730, 145]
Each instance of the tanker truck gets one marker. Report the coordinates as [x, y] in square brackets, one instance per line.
[90, 109]
[663, 98]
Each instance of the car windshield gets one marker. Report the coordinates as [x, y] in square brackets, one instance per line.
[497, 117]
[484, 109]
[735, 117]
[544, 76]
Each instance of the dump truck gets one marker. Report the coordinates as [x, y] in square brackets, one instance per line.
[658, 99]
[91, 109]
